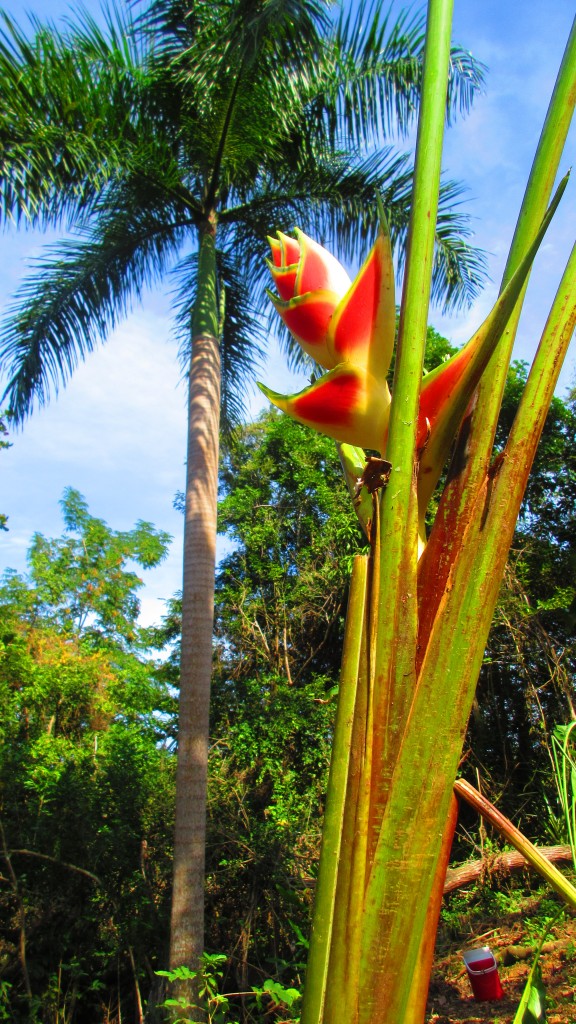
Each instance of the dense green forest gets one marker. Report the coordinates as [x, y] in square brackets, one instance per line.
[88, 721]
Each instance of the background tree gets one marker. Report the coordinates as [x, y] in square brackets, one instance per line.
[281, 592]
[182, 144]
[86, 778]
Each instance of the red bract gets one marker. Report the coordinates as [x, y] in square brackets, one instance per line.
[347, 327]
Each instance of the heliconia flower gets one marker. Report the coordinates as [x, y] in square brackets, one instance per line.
[348, 328]
[310, 282]
[352, 337]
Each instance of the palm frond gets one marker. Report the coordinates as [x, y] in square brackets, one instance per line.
[67, 107]
[175, 26]
[328, 193]
[236, 78]
[276, 36]
[460, 269]
[465, 81]
[371, 80]
[80, 290]
[287, 30]
[377, 69]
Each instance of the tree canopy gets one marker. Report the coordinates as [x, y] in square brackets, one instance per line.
[86, 776]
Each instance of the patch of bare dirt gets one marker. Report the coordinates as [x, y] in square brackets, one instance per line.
[513, 938]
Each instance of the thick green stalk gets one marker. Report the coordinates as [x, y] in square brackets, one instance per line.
[531, 853]
[464, 613]
[417, 283]
[543, 377]
[342, 999]
[332, 834]
[416, 718]
[342, 985]
[547, 156]
[396, 627]
[468, 604]
[416, 1006]
[449, 527]
[389, 954]
[431, 749]
[469, 364]
[536, 197]
[428, 755]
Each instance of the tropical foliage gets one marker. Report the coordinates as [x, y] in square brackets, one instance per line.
[136, 135]
[86, 779]
[420, 603]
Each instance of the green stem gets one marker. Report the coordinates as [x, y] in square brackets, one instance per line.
[330, 857]
[543, 377]
[396, 523]
[388, 958]
[416, 1006]
[462, 620]
[342, 985]
[453, 657]
[536, 197]
[420, 256]
[547, 157]
[342, 1000]
[395, 641]
[451, 527]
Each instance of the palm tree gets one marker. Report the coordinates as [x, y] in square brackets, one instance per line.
[173, 145]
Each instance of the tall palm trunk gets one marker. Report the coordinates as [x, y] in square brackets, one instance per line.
[187, 925]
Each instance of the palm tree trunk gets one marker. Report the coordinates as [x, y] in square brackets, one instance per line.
[187, 924]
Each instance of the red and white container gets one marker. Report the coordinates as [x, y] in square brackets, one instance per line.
[483, 973]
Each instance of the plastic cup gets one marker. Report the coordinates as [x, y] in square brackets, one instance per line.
[482, 971]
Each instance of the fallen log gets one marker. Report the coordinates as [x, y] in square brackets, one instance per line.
[501, 864]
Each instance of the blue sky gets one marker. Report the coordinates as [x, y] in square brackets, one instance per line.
[117, 431]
